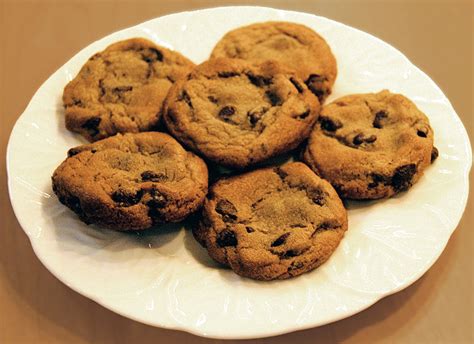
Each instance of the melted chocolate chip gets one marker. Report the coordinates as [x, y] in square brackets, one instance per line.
[158, 200]
[78, 103]
[295, 265]
[378, 179]
[274, 98]
[227, 210]
[256, 114]
[434, 154]
[361, 138]
[421, 133]
[315, 83]
[280, 240]
[73, 203]
[153, 176]
[226, 238]
[290, 254]
[226, 112]
[329, 124]
[303, 115]
[151, 55]
[401, 179]
[125, 198]
[212, 99]
[91, 125]
[227, 74]
[184, 96]
[259, 80]
[316, 196]
[249, 229]
[73, 151]
[379, 117]
[297, 85]
[282, 174]
[120, 89]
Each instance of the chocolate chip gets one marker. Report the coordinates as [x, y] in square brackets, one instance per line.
[280, 240]
[226, 238]
[249, 229]
[226, 112]
[256, 114]
[297, 85]
[227, 210]
[290, 254]
[125, 198]
[212, 99]
[78, 103]
[158, 200]
[379, 117]
[434, 154]
[378, 179]
[401, 179]
[73, 203]
[329, 124]
[259, 80]
[73, 151]
[91, 125]
[295, 265]
[151, 55]
[422, 132]
[361, 138]
[315, 83]
[317, 196]
[282, 174]
[121, 89]
[102, 89]
[227, 74]
[153, 176]
[274, 98]
[303, 115]
[185, 96]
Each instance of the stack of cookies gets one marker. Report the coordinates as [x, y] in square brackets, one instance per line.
[258, 96]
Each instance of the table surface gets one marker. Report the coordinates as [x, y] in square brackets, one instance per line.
[37, 37]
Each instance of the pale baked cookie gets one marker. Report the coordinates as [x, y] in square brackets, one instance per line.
[238, 114]
[272, 223]
[294, 45]
[131, 181]
[122, 88]
[372, 145]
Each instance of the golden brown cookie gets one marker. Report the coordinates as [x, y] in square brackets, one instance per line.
[272, 223]
[238, 114]
[122, 88]
[131, 181]
[294, 45]
[371, 146]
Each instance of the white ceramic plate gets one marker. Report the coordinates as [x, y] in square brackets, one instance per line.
[163, 278]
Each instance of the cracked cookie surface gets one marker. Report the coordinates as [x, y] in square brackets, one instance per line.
[272, 223]
[238, 114]
[371, 146]
[131, 181]
[122, 88]
[294, 45]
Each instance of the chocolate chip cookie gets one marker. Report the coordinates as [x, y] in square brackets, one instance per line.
[122, 89]
[371, 146]
[238, 114]
[272, 223]
[294, 45]
[131, 181]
